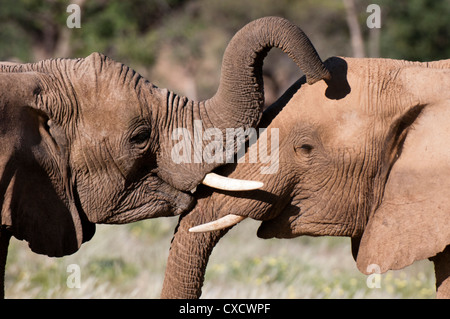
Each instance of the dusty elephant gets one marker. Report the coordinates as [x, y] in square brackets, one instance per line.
[365, 155]
[89, 140]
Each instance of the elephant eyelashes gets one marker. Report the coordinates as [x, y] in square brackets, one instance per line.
[140, 138]
[304, 149]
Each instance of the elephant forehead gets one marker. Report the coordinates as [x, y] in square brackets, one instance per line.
[337, 122]
[103, 123]
[348, 128]
[112, 115]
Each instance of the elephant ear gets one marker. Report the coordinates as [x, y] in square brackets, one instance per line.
[413, 220]
[35, 193]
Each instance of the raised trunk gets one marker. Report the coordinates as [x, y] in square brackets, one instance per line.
[240, 96]
[188, 257]
[239, 100]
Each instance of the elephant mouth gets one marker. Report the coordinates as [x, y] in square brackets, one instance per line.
[272, 214]
[165, 208]
[163, 201]
[281, 226]
[159, 199]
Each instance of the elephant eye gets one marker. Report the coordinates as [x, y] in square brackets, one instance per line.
[140, 138]
[304, 149]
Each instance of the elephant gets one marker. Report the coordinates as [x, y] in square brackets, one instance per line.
[89, 140]
[363, 155]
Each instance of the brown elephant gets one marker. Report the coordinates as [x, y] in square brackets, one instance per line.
[87, 141]
[365, 155]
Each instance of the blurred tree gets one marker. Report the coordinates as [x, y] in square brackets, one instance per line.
[125, 30]
[32, 30]
[356, 38]
[195, 37]
[184, 37]
[415, 29]
[180, 43]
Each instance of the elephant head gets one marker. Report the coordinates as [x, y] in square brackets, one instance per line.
[90, 141]
[364, 155]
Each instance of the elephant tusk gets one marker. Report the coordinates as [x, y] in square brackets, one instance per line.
[221, 223]
[230, 184]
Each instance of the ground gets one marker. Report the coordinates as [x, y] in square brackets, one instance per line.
[128, 261]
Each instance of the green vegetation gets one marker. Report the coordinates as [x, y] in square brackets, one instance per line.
[129, 262]
[179, 43]
[416, 30]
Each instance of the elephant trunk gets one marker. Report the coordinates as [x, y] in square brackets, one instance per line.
[188, 258]
[240, 96]
[239, 100]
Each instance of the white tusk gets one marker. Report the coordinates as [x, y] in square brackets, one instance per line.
[221, 223]
[230, 184]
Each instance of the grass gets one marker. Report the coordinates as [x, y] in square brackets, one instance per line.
[128, 261]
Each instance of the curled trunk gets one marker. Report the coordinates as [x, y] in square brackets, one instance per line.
[239, 100]
[240, 97]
